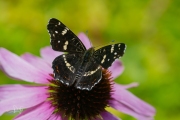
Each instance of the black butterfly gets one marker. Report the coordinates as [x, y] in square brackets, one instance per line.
[80, 67]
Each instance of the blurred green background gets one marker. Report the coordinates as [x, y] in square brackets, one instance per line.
[150, 28]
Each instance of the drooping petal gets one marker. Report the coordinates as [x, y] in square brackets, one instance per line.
[18, 97]
[48, 54]
[116, 68]
[129, 111]
[128, 103]
[41, 111]
[85, 40]
[17, 68]
[108, 116]
[131, 85]
[37, 62]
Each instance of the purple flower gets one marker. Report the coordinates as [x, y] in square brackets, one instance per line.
[41, 101]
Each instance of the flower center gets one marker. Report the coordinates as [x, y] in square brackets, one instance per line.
[81, 104]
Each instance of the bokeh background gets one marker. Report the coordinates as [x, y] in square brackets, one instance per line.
[150, 28]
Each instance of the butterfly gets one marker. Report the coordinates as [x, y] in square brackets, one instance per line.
[80, 67]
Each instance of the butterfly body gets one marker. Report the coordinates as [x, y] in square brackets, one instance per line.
[79, 67]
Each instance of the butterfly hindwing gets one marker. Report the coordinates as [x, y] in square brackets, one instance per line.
[63, 39]
[91, 76]
[106, 55]
[64, 67]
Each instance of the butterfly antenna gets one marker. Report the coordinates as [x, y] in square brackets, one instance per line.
[112, 41]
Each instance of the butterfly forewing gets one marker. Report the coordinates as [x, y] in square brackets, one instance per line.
[63, 39]
[64, 67]
[105, 56]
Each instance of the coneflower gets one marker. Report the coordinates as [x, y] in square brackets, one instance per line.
[51, 100]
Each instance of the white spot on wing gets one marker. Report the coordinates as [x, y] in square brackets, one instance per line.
[104, 57]
[67, 28]
[66, 42]
[112, 48]
[68, 65]
[125, 49]
[90, 72]
[65, 45]
[64, 32]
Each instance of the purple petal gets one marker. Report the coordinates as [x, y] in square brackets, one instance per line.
[42, 111]
[85, 40]
[116, 68]
[131, 85]
[18, 97]
[17, 68]
[128, 110]
[56, 117]
[128, 103]
[108, 116]
[48, 54]
[37, 62]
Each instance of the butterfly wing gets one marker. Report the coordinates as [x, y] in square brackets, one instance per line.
[64, 67]
[91, 76]
[106, 55]
[63, 39]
